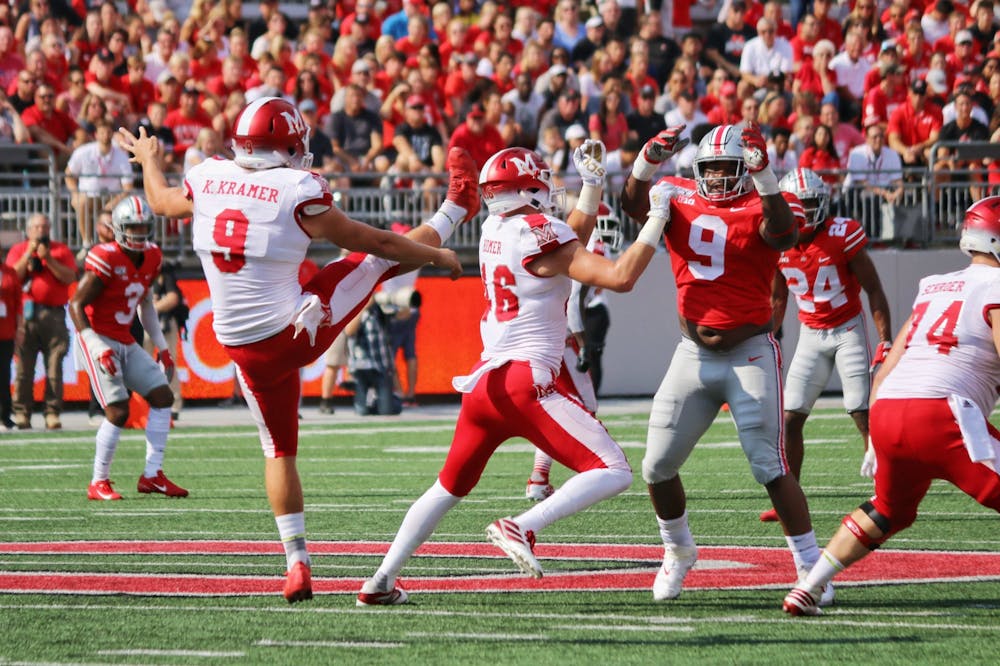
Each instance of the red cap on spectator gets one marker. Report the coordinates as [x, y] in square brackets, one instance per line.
[728, 89]
[415, 102]
[476, 111]
[412, 62]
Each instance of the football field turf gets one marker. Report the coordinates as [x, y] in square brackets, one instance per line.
[151, 580]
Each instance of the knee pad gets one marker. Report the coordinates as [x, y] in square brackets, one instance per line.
[869, 542]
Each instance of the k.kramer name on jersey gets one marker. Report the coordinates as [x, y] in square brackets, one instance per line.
[248, 191]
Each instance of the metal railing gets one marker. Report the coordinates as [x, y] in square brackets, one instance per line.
[931, 209]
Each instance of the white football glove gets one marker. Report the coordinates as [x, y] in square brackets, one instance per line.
[869, 465]
[590, 158]
[660, 196]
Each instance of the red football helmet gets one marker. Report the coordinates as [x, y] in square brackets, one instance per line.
[981, 228]
[516, 177]
[270, 132]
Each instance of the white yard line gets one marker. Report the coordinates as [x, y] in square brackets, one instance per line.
[328, 644]
[205, 654]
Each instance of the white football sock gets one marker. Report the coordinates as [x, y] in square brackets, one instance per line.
[292, 529]
[676, 532]
[543, 463]
[805, 552]
[107, 438]
[418, 525]
[826, 567]
[157, 427]
[579, 492]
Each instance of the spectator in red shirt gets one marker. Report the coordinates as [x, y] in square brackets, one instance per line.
[728, 111]
[829, 28]
[186, 121]
[417, 34]
[56, 65]
[10, 320]
[804, 42]
[881, 100]
[11, 61]
[457, 40]
[102, 82]
[228, 81]
[480, 139]
[821, 155]
[48, 125]
[816, 77]
[914, 126]
[609, 124]
[140, 91]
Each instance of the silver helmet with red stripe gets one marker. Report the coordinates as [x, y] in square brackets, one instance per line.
[719, 169]
[132, 221]
[812, 191]
[270, 132]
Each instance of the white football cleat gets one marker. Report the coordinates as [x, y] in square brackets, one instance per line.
[372, 594]
[677, 561]
[507, 535]
[312, 313]
[826, 598]
[536, 491]
[800, 602]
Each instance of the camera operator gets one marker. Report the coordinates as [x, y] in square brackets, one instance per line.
[46, 268]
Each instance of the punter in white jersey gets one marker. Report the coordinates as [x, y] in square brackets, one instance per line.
[580, 358]
[528, 260]
[727, 229]
[253, 219]
[931, 401]
[826, 272]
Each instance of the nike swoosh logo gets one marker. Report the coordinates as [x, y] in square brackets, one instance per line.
[105, 496]
[162, 489]
[824, 259]
[851, 328]
[754, 358]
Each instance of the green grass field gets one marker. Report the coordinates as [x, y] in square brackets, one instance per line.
[361, 478]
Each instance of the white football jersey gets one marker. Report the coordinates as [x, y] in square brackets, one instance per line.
[950, 348]
[526, 314]
[246, 232]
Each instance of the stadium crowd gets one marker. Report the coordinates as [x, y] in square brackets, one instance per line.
[388, 85]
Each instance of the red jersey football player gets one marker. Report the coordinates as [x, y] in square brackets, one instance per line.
[727, 229]
[826, 272]
[116, 280]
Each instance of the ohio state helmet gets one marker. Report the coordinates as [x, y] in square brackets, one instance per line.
[722, 147]
[981, 228]
[609, 228]
[516, 177]
[270, 132]
[132, 221]
[812, 191]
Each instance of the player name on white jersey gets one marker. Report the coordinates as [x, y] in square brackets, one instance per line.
[250, 191]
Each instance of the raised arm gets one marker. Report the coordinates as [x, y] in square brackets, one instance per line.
[635, 193]
[147, 153]
[778, 228]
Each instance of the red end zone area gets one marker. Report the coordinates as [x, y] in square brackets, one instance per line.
[717, 568]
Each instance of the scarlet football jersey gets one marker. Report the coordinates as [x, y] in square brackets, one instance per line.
[722, 266]
[826, 290]
[125, 284]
